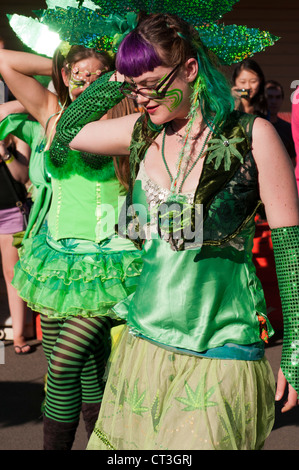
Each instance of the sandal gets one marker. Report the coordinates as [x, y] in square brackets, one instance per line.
[19, 350]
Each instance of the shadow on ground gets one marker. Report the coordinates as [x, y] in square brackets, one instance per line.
[26, 401]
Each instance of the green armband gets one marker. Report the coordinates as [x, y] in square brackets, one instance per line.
[286, 252]
[90, 106]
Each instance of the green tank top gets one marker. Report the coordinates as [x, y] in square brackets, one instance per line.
[84, 209]
[203, 297]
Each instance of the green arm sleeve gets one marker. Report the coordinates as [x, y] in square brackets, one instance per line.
[286, 252]
[90, 106]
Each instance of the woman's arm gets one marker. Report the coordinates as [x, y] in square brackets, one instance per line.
[277, 182]
[107, 136]
[278, 192]
[81, 127]
[18, 69]
[11, 107]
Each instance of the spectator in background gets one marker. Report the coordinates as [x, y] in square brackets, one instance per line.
[274, 94]
[14, 157]
[248, 88]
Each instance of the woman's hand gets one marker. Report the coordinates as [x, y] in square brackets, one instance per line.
[18, 167]
[117, 77]
[292, 399]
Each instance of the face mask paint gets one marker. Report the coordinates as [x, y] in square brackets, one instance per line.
[80, 79]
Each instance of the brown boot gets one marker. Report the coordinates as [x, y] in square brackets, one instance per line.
[59, 435]
[90, 413]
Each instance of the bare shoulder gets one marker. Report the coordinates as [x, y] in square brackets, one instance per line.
[262, 130]
[276, 178]
[267, 145]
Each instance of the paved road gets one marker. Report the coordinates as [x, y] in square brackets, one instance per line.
[21, 394]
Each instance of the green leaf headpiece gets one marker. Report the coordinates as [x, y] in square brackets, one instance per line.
[102, 24]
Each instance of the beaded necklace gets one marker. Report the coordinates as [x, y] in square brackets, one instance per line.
[174, 181]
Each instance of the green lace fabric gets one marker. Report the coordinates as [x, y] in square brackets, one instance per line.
[90, 106]
[158, 400]
[286, 252]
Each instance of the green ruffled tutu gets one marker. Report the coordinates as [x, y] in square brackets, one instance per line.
[73, 277]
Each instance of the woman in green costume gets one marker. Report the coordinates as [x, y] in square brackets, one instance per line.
[73, 268]
[189, 371]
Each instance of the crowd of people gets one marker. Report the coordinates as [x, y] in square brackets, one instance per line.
[148, 169]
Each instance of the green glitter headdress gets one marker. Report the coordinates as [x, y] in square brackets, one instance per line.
[102, 24]
[71, 22]
[231, 43]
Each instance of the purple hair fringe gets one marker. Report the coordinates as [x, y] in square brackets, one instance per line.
[136, 56]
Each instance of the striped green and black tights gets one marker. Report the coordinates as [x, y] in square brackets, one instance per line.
[77, 349]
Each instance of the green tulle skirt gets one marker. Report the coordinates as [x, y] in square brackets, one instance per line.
[74, 278]
[159, 400]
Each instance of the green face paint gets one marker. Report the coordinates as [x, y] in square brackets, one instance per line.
[74, 84]
[172, 99]
[80, 79]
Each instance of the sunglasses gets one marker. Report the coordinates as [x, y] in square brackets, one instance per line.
[151, 92]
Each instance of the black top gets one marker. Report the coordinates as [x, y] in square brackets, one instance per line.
[7, 194]
[284, 129]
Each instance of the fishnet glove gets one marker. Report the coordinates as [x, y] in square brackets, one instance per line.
[286, 252]
[90, 106]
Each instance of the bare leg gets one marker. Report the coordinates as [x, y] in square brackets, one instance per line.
[17, 306]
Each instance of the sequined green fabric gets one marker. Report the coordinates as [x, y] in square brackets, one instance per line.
[193, 11]
[96, 100]
[286, 251]
[234, 43]
[104, 27]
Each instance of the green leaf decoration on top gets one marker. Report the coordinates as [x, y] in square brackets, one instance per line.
[222, 149]
[198, 399]
[69, 243]
[134, 148]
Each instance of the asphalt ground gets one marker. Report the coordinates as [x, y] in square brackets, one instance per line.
[22, 394]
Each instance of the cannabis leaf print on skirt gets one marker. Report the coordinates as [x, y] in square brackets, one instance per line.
[158, 399]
